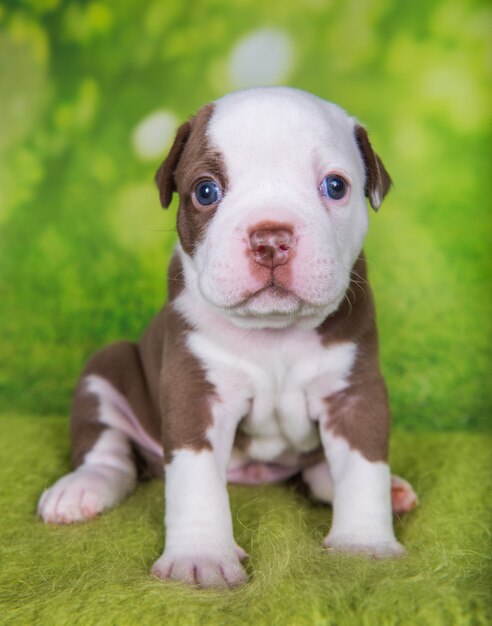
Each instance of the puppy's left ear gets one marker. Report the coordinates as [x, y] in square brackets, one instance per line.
[378, 181]
[165, 174]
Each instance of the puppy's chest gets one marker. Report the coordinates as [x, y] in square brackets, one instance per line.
[275, 383]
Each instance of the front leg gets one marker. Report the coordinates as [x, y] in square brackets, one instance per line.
[200, 547]
[355, 439]
[199, 423]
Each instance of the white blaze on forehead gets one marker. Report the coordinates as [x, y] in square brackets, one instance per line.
[280, 131]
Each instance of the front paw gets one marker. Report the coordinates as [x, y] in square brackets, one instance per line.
[374, 548]
[222, 569]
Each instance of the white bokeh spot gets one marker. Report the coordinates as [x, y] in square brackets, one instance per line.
[153, 135]
[264, 57]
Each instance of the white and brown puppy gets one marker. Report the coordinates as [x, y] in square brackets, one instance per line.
[264, 361]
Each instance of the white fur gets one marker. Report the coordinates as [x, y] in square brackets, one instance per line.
[200, 545]
[320, 481]
[362, 514]
[275, 380]
[278, 144]
[112, 449]
[278, 381]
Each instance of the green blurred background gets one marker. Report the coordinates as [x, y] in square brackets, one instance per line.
[90, 95]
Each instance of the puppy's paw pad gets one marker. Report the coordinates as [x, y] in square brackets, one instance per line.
[372, 549]
[403, 497]
[201, 571]
[82, 495]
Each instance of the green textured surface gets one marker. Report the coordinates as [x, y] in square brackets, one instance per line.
[83, 251]
[98, 573]
[85, 244]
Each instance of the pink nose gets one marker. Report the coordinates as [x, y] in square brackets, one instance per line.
[272, 246]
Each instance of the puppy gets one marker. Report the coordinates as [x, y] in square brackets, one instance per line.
[264, 362]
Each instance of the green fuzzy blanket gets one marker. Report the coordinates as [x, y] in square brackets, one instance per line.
[98, 573]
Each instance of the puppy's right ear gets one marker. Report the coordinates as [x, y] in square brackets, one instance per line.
[164, 177]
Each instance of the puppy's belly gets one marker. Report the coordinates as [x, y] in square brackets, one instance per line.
[255, 473]
[267, 460]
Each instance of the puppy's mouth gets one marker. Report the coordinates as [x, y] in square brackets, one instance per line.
[274, 290]
[275, 306]
[271, 299]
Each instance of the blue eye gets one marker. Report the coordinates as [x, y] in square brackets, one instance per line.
[334, 187]
[207, 192]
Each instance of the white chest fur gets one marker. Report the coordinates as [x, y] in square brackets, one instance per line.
[275, 380]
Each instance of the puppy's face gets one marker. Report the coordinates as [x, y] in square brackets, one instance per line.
[272, 211]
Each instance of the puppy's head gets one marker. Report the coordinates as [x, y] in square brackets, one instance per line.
[272, 214]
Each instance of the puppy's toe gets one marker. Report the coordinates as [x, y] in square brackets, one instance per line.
[61, 504]
[223, 571]
[209, 574]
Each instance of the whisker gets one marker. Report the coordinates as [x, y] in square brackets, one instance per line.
[362, 258]
[361, 287]
[179, 278]
[361, 282]
[357, 275]
[349, 303]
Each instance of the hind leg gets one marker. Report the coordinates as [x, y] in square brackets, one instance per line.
[103, 428]
[98, 484]
[320, 482]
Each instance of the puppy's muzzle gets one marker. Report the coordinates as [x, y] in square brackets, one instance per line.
[272, 246]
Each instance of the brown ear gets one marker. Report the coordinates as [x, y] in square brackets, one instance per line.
[165, 174]
[378, 181]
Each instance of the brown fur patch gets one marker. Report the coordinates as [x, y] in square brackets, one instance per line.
[190, 160]
[360, 412]
[378, 181]
[122, 366]
[185, 392]
[158, 376]
[85, 429]
[176, 379]
[164, 177]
